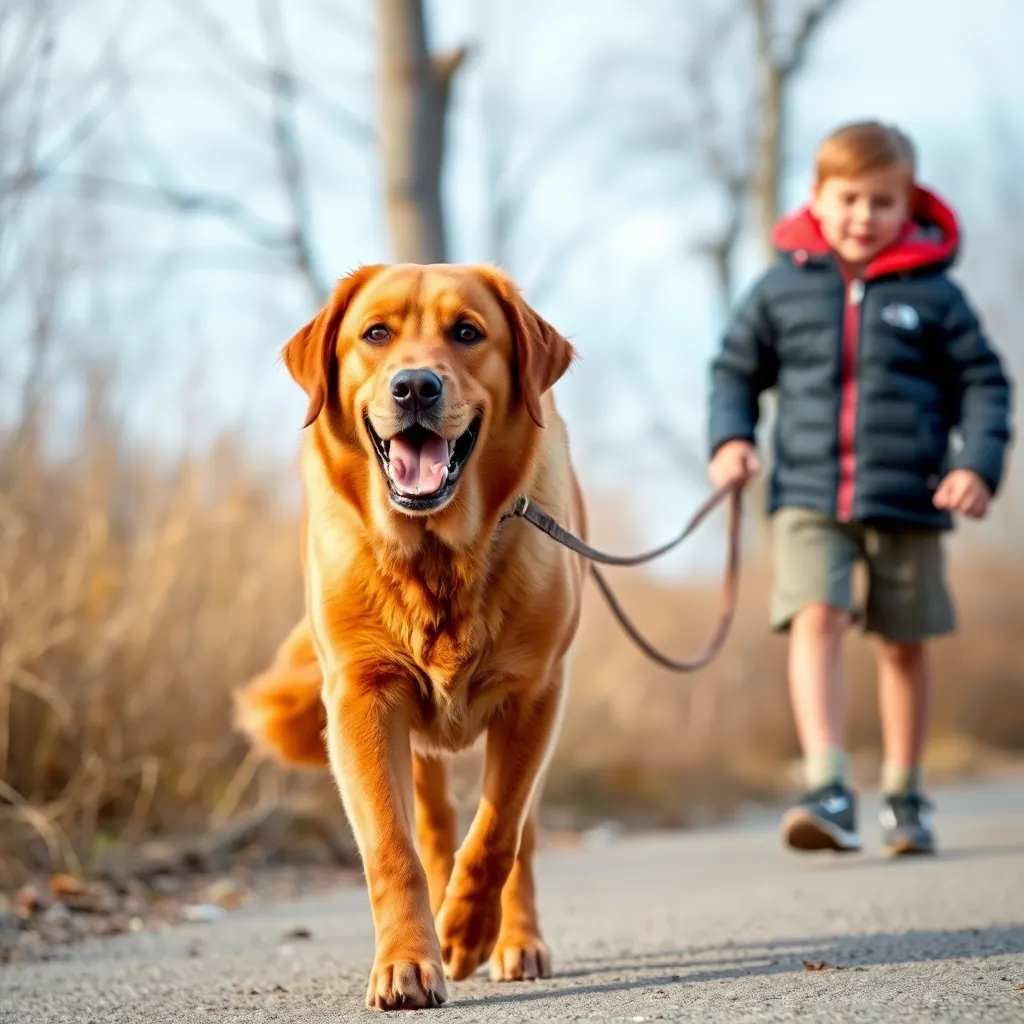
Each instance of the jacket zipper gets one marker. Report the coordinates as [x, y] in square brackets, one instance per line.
[848, 399]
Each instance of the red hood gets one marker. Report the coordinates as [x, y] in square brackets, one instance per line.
[930, 237]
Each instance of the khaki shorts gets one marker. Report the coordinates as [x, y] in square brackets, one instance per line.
[814, 562]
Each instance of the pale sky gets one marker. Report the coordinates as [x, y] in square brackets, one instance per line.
[577, 95]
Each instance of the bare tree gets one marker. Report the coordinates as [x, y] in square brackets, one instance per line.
[271, 77]
[414, 92]
[40, 130]
[779, 60]
[741, 145]
[735, 143]
[722, 139]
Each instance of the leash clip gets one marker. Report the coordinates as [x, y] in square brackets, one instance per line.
[518, 509]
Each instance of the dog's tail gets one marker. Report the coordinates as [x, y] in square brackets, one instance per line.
[280, 710]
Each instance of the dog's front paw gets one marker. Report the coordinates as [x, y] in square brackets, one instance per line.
[468, 927]
[520, 958]
[406, 985]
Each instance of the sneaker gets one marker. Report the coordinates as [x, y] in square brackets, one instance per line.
[906, 828]
[825, 819]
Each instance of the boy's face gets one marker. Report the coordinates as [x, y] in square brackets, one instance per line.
[861, 216]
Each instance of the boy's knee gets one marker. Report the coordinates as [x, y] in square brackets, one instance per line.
[822, 619]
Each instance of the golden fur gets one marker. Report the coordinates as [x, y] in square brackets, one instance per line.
[425, 630]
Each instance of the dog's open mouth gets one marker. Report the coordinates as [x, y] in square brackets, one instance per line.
[422, 467]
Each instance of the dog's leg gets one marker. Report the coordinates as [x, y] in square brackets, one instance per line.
[520, 953]
[519, 744]
[371, 756]
[435, 824]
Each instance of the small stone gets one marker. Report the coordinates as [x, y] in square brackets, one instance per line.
[9, 920]
[204, 913]
[58, 913]
[227, 893]
[602, 835]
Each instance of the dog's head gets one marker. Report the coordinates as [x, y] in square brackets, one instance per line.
[435, 375]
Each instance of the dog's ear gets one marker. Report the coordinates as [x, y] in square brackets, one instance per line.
[310, 355]
[542, 355]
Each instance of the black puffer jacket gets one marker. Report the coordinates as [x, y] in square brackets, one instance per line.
[872, 374]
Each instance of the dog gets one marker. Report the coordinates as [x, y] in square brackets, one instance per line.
[431, 618]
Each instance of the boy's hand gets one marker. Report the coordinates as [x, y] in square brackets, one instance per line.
[735, 460]
[965, 492]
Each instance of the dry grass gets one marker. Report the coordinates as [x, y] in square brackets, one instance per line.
[135, 594]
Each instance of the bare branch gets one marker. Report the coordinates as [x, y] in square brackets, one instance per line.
[253, 72]
[79, 134]
[24, 51]
[658, 427]
[776, 74]
[812, 20]
[446, 65]
[731, 168]
[287, 149]
[38, 95]
[162, 195]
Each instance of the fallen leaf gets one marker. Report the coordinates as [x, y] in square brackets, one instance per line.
[1018, 988]
[66, 885]
[820, 965]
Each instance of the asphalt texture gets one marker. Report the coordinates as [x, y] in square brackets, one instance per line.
[712, 925]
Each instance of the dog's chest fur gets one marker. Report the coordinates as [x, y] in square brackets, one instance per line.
[442, 615]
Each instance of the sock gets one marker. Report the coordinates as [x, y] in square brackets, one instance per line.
[898, 780]
[826, 768]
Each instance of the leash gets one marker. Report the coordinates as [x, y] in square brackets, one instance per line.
[733, 490]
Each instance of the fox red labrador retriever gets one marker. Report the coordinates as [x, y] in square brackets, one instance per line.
[430, 620]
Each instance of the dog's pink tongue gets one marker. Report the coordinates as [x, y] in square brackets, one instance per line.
[421, 471]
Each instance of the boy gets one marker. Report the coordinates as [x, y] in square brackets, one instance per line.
[876, 356]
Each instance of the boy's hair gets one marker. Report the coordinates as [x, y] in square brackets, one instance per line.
[862, 148]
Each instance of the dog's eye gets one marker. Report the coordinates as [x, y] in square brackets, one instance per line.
[378, 334]
[467, 333]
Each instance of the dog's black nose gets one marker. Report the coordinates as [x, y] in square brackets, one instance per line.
[416, 390]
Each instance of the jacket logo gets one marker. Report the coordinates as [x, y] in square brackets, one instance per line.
[899, 314]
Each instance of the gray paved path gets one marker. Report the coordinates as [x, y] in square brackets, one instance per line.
[710, 925]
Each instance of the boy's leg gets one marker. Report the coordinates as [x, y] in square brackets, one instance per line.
[817, 690]
[908, 602]
[904, 685]
[812, 598]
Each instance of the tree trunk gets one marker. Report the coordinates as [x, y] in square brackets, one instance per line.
[769, 155]
[413, 101]
[776, 73]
